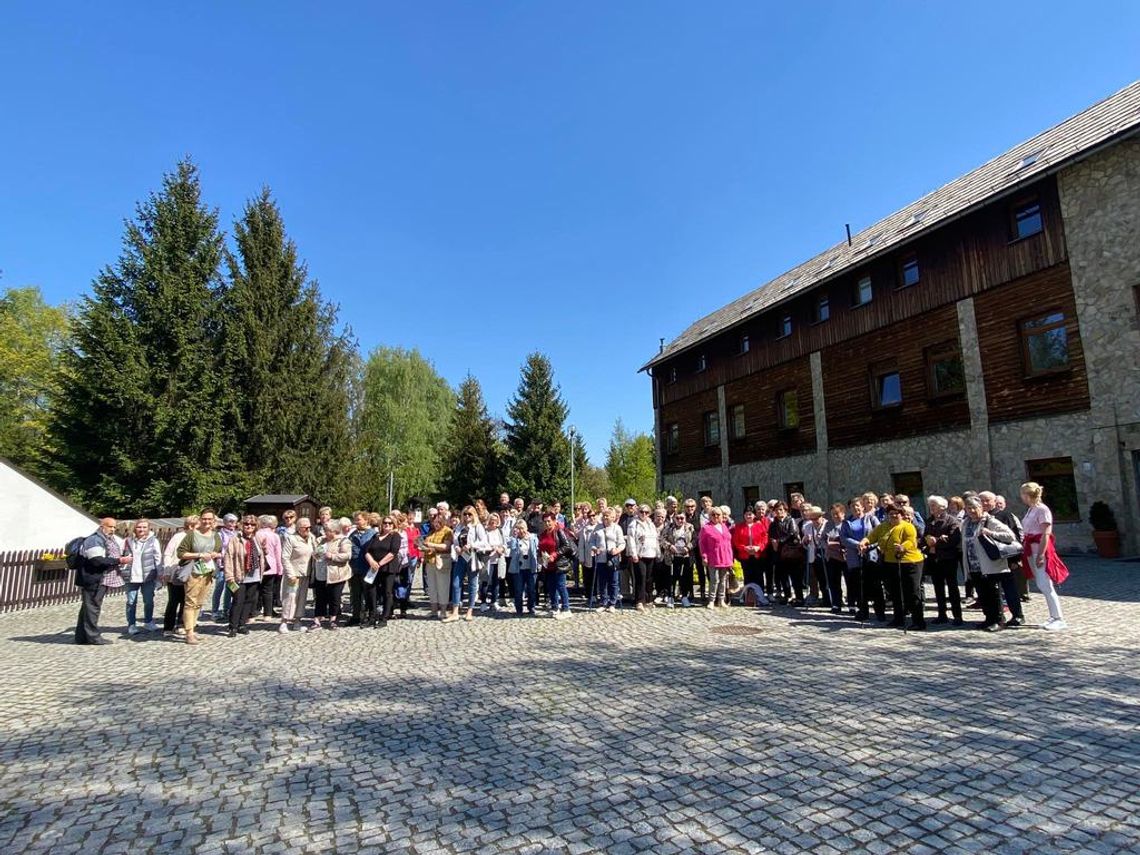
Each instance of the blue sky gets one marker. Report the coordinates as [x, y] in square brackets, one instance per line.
[480, 180]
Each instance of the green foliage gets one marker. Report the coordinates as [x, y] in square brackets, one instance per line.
[32, 338]
[1101, 517]
[590, 482]
[401, 427]
[473, 454]
[287, 370]
[631, 465]
[135, 420]
[538, 452]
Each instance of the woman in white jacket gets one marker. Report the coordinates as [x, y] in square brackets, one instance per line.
[643, 548]
[986, 572]
[469, 552]
[607, 544]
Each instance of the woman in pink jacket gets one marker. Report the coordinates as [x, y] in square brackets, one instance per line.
[270, 543]
[716, 550]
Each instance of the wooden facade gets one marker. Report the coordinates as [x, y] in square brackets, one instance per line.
[978, 255]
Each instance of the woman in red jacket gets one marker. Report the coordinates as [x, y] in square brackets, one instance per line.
[749, 540]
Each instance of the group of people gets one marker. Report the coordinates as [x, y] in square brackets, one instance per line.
[855, 557]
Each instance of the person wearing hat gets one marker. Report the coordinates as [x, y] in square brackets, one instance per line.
[223, 599]
[628, 515]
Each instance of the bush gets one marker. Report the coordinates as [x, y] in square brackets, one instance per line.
[1101, 517]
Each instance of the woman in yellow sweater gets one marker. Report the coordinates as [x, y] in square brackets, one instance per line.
[897, 542]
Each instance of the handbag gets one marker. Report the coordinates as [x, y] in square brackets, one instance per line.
[791, 551]
[996, 550]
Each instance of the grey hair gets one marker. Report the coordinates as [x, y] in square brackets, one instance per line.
[986, 494]
[938, 502]
[974, 502]
[345, 523]
[267, 520]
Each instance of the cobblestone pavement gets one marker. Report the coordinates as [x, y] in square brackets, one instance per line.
[615, 733]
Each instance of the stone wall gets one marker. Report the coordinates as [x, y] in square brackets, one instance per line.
[1100, 202]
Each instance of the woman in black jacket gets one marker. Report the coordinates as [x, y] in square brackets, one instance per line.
[943, 538]
[787, 553]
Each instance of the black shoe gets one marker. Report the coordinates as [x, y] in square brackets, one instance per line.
[243, 630]
[380, 623]
[918, 627]
[798, 603]
[1013, 622]
[959, 622]
[939, 621]
[994, 627]
[861, 617]
[100, 641]
[897, 624]
[353, 622]
[1025, 598]
[837, 611]
[232, 633]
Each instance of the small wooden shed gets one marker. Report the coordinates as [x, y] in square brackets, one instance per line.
[277, 504]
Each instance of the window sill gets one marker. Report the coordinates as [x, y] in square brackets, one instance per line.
[861, 305]
[944, 397]
[1016, 240]
[908, 287]
[1045, 376]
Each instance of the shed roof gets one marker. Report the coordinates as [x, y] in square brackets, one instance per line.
[1115, 117]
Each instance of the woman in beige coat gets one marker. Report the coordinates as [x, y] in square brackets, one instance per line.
[331, 571]
[297, 553]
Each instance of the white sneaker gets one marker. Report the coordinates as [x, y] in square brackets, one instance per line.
[609, 608]
[283, 628]
[1055, 625]
[301, 628]
[669, 602]
[711, 605]
[685, 603]
[151, 626]
[133, 630]
[601, 609]
[657, 601]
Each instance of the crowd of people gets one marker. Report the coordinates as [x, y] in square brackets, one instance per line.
[855, 559]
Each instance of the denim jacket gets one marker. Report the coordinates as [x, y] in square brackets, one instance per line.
[517, 562]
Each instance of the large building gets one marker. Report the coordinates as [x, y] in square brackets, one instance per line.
[982, 336]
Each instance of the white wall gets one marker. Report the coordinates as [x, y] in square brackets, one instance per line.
[33, 518]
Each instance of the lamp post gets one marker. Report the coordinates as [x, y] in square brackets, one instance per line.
[572, 432]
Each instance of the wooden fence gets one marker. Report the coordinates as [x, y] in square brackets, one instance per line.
[39, 577]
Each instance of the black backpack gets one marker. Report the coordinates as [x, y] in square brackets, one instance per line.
[73, 557]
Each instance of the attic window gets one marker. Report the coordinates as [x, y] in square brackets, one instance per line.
[871, 241]
[914, 220]
[826, 266]
[1029, 159]
[702, 363]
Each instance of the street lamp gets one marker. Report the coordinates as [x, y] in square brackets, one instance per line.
[572, 431]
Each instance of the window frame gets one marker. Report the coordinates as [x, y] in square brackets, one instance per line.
[781, 409]
[672, 375]
[673, 438]
[905, 262]
[858, 290]
[1048, 481]
[733, 434]
[822, 301]
[1024, 203]
[934, 354]
[785, 328]
[710, 417]
[899, 485]
[744, 345]
[1028, 373]
[702, 363]
[876, 375]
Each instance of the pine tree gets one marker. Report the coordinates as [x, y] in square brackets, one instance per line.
[538, 463]
[473, 453]
[136, 421]
[631, 465]
[289, 367]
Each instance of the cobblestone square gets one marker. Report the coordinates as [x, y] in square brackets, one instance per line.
[605, 733]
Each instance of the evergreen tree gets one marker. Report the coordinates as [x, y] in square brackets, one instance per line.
[136, 421]
[286, 363]
[473, 453]
[631, 465]
[400, 427]
[590, 482]
[538, 462]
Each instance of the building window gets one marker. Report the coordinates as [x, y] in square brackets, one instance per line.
[793, 487]
[702, 363]
[944, 372]
[1055, 474]
[1025, 218]
[672, 375]
[736, 422]
[863, 292]
[1045, 344]
[822, 310]
[673, 438]
[909, 484]
[1136, 300]
[712, 428]
[785, 326]
[908, 271]
[788, 410]
[751, 496]
[886, 389]
[745, 344]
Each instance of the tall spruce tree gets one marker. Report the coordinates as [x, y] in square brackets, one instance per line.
[135, 424]
[473, 454]
[286, 362]
[538, 461]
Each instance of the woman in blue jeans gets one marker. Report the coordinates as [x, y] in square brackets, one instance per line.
[522, 566]
[471, 549]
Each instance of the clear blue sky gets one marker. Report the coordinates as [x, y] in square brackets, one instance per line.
[480, 180]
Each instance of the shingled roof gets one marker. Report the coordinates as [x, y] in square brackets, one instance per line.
[1114, 117]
